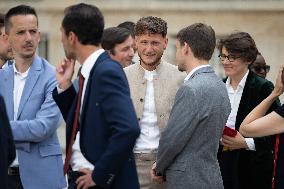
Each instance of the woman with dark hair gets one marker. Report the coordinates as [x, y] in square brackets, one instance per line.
[245, 163]
[255, 125]
[7, 148]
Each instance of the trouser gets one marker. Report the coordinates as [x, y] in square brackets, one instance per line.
[144, 163]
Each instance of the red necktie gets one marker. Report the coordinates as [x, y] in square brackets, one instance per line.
[75, 124]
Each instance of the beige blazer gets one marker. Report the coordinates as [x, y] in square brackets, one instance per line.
[166, 83]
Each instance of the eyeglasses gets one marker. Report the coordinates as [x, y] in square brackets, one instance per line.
[230, 57]
[258, 69]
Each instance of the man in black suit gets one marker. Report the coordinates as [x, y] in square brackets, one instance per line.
[7, 147]
[103, 114]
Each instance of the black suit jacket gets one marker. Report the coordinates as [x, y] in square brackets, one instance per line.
[7, 147]
[250, 169]
[108, 124]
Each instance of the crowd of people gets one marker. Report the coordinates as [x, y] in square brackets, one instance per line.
[136, 124]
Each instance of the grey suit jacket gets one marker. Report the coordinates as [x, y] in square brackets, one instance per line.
[166, 83]
[188, 147]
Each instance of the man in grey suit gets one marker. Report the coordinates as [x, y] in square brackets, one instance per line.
[187, 153]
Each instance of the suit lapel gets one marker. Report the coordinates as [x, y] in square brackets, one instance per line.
[32, 78]
[100, 59]
[246, 97]
[9, 87]
[138, 87]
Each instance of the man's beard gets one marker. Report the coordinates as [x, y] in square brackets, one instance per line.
[70, 55]
[181, 67]
[155, 62]
[5, 58]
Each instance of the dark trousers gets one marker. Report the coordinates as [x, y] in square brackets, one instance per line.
[73, 176]
[13, 179]
[229, 170]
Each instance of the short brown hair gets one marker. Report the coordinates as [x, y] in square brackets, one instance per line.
[151, 25]
[239, 44]
[86, 21]
[200, 38]
[113, 36]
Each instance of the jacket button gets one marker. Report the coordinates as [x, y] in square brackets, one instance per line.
[138, 118]
[141, 99]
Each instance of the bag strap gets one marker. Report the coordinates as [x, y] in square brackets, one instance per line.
[275, 160]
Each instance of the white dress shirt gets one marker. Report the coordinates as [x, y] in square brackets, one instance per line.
[148, 140]
[19, 84]
[235, 98]
[194, 70]
[77, 160]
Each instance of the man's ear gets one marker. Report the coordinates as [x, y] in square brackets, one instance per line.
[39, 36]
[185, 48]
[72, 37]
[248, 63]
[166, 43]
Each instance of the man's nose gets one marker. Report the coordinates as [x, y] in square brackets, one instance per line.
[149, 47]
[131, 52]
[28, 36]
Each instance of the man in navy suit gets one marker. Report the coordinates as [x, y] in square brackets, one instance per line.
[107, 126]
[7, 147]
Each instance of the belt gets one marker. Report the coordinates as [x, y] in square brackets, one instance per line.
[145, 156]
[12, 171]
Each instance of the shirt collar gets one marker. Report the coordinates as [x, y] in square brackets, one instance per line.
[242, 82]
[149, 74]
[194, 70]
[89, 63]
[23, 75]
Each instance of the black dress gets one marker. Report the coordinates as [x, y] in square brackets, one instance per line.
[279, 177]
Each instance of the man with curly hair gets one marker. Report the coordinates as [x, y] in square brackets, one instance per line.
[153, 85]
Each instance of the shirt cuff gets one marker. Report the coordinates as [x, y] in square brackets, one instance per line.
[250, 144]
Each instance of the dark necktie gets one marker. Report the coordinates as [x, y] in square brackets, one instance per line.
[75, 124]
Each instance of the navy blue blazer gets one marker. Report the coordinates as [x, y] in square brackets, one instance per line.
[108, 124]
[7, 147]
